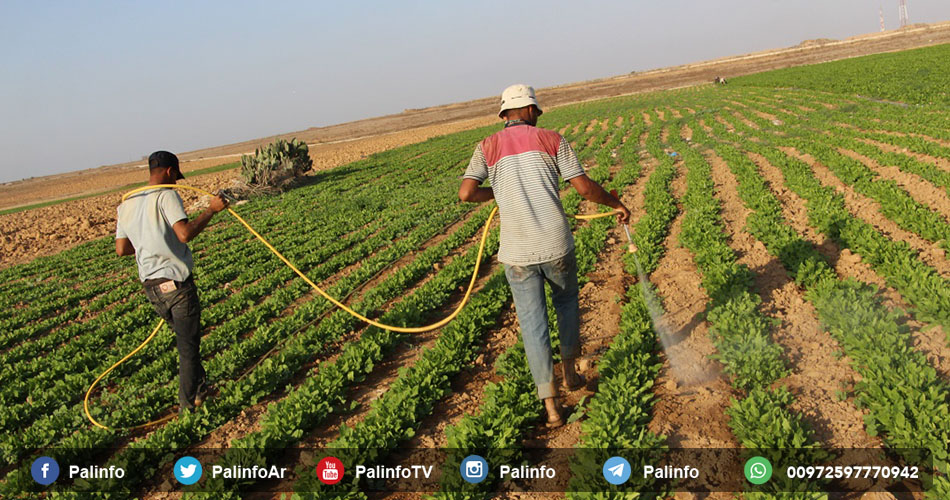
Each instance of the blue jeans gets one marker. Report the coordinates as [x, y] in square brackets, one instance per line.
[527, 288]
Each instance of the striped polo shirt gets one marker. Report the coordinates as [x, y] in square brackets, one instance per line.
[523, 164]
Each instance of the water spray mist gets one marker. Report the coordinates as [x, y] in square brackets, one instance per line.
[686, 370]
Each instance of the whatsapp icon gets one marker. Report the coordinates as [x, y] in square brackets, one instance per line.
[758, 470]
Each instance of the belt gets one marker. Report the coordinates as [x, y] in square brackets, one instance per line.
[158, 281]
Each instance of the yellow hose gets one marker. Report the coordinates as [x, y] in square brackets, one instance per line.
[401, 329]
[85, 402]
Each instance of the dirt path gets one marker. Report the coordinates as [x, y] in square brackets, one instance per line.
[600, 313]
[941, 163]
[600, 300]
[918, 188]
[931, 342]
[691, 389]
[816, 374]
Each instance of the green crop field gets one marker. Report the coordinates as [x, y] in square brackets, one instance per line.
[803, 177]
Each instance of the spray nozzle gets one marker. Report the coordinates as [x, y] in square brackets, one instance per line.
[227, 195]
[632, 248]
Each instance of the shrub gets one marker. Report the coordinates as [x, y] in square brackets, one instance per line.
[278, 161]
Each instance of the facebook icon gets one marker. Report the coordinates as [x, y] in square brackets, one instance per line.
[45, 470]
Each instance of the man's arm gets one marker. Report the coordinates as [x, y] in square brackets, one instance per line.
[470, 191]
[591, 191]
[124, 247]
[186, 231]
[475, 174]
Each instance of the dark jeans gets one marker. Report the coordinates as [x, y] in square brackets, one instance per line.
[527, 288]
[182, 311]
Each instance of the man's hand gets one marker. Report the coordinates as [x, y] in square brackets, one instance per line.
[186, 231]
[591, 191]
[218, 203]
[623, 215]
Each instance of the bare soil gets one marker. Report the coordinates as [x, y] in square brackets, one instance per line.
[43, 231]
[692, 391]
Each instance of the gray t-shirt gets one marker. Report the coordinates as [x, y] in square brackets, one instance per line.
[146, 219]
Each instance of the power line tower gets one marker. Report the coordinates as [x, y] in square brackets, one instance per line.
[905, 20]
[880, 11]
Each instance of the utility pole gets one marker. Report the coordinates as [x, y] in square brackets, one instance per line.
[880, 11]
[905, 20]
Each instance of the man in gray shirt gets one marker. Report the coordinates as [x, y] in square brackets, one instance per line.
[153, 226]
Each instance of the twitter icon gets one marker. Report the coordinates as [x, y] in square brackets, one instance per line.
[187, 470]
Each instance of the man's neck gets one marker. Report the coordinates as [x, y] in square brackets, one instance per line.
[516, 121]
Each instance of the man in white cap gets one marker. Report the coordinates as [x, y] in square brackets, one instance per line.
[523, 164]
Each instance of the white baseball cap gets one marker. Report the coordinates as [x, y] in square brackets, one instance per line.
[517, 96]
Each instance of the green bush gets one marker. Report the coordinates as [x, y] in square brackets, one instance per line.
[278, 161]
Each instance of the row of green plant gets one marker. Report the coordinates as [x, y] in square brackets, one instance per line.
[762, 417]
[236, 394]
[905, 399]
[649, 230]
[618, 414]
[896, 261]
[145, 388]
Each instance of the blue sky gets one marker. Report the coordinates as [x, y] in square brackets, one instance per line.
[93, 83]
